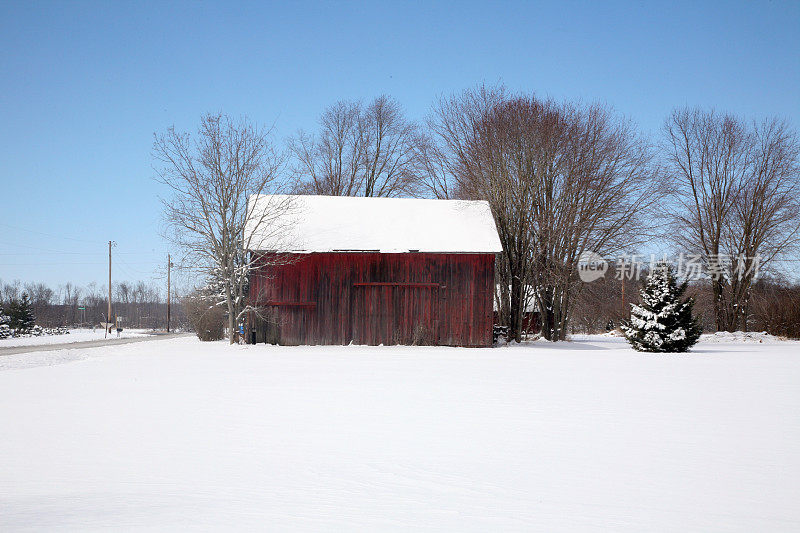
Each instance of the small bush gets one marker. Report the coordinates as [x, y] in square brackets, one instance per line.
[207, 321]
[422, 336]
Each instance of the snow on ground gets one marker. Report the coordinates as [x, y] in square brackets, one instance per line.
[761, 337]
[75, 335]
[579, 436]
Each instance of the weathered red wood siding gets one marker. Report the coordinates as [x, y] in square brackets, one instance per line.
[374, 298]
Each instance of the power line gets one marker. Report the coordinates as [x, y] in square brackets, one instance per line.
[124, 270]
[153, 262]
[38, 249]
[126, 267]
[50, 234]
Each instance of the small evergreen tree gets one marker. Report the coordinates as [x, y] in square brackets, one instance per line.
[11, 310]
[5, 328]
[21, 314]
[664, 321]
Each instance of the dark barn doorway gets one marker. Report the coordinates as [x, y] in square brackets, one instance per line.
[394, 313]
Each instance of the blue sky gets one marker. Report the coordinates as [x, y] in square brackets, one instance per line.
[85, 86]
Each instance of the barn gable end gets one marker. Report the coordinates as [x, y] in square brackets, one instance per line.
[376, 271]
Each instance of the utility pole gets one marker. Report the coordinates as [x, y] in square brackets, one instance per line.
[108, 318]
[169, 266]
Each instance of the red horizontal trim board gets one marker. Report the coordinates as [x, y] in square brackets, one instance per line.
[292, 304]
[395, 284]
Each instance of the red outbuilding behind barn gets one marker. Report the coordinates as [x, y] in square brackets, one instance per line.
[372, 271]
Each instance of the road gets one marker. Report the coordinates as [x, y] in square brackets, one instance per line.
[11, 350]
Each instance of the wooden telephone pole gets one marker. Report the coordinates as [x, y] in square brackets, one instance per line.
[169, 300]
[108, 317]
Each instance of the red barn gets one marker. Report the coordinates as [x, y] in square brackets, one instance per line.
[373, 271]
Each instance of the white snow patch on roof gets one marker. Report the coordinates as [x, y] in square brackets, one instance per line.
[389, 225]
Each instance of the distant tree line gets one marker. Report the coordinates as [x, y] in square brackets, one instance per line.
[140, 305]
[603, 305]
[562, 178]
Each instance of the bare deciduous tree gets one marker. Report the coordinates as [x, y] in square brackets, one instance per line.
[776, 306]
[561, 179]
[71, 297]
[435, 178]
[331, 162]
[11, 291]
[737, 185]
[211, 178]
[358, 151]
[390, 163]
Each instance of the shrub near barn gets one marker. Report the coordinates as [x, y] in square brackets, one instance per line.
[206, 319]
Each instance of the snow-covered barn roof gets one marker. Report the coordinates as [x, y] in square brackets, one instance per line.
[390, 225]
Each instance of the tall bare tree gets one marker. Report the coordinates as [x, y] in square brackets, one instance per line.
[737, 184]
[211, 177]
[561, 179]
[359, 151]
[71, 297]
[330, 163]
[11, 291]
[390, 163]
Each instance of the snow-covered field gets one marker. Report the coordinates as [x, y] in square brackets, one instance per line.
[581, 436]
[75, 335]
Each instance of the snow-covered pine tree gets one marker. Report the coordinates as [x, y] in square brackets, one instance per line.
[664, 321]
[21, 314]
[5, 329]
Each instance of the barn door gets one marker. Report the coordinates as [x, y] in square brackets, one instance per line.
[394, 313]
[266, 328]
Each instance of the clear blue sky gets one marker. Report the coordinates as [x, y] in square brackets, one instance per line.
[85, 86]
